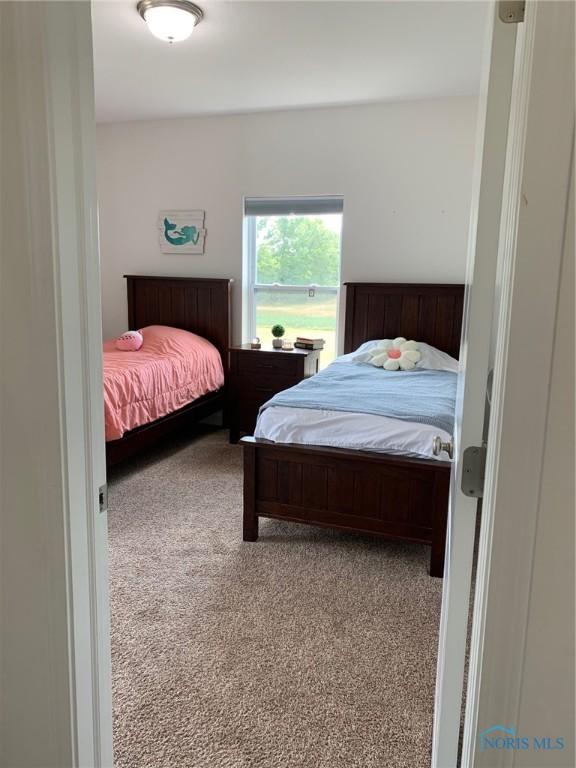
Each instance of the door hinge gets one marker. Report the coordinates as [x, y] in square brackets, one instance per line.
[103, 498]
[511, 12]
[473, 470]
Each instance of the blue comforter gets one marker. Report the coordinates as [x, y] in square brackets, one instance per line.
[421, 396]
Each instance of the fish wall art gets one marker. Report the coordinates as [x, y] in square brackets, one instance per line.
[181, 231]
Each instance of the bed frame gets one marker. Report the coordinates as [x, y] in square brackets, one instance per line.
[199, 305]
[366, 492]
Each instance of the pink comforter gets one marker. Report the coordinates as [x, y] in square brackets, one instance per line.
[172, 368]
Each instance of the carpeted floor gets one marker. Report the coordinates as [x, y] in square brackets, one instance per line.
[306, 649]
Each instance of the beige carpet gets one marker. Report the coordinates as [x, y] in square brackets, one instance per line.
[306, 649]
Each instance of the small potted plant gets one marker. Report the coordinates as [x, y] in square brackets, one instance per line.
[277, 331]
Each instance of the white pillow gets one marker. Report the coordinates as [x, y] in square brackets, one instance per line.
[435, 360]
[432, 359]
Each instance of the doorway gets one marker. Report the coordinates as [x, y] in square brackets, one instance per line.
[93, 588]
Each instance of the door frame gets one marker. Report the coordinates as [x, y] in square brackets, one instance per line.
[55, 661]
[481, 270]
[535, 221]
[76, 298]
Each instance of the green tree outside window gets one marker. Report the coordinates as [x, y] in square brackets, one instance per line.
[297, 250]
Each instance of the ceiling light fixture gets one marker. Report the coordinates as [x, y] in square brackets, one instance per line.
[170, 20]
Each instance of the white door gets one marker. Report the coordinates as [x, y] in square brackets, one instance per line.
[494, 111]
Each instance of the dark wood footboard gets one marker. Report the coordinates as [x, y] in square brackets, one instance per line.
[360, 491]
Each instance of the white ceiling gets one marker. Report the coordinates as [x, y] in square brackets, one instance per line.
[251, 56]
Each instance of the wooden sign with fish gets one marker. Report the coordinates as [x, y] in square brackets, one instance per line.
[181, 231]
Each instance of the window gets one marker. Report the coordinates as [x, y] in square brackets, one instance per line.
[292, 267]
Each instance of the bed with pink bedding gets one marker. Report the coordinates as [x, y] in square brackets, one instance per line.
[172, 369]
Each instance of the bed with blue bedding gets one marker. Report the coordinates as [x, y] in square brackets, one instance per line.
[351, 447]
[425, 398]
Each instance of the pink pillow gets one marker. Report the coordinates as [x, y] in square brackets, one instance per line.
[129, 341]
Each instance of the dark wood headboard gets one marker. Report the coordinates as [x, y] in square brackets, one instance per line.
[425, 312]
[197, 304]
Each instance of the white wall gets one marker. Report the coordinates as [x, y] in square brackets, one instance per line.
[405, 170]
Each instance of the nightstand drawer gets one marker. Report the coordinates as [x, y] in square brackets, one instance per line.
[248, 413]
[266, 364]
[259, 384]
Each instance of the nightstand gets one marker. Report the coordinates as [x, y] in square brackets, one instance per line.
[258, 374]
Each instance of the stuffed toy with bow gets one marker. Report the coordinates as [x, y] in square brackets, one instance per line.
[396, 355]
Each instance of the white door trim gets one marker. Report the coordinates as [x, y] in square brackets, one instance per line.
[73, 167]
[493, 120]
[532, 238]
[56, 700]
